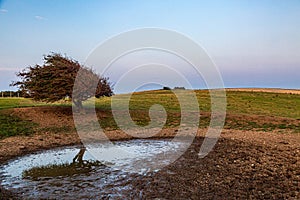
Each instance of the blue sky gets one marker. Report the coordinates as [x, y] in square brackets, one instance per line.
[254, 43]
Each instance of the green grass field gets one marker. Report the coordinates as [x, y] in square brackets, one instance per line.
[250, 107]
[245, 110]
[254, 103]
[6, 103]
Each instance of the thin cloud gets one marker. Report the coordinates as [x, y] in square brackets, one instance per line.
[3, 10]
[38, 17]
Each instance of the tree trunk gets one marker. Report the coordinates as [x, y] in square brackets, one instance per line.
[78, 104]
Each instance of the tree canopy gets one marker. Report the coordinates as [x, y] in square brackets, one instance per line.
[54, 80]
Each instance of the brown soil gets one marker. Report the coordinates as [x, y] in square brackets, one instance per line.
[243, 164]
[239, 168]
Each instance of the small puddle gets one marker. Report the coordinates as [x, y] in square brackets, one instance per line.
[73, 173]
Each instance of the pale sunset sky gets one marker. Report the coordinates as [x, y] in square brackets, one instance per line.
[254, 43]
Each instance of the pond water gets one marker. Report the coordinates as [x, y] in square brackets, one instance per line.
[74, 173]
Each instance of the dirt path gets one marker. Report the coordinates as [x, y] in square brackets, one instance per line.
[275, 90]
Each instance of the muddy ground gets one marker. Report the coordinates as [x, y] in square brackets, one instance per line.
[243, 164]
[236, 169]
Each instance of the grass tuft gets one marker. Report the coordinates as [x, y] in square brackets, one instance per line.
[11, 125]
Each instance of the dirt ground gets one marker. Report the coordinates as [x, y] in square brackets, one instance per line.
[243, 164]
[266, 168]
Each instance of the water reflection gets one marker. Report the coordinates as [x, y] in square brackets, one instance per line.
[76, 167]
[79, 156]
[69, 172]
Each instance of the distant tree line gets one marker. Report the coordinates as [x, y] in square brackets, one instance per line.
[175, 88]
[13, 94]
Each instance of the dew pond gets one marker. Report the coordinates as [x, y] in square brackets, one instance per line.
[74, 172]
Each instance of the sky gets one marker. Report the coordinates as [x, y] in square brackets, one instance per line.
[253, 43]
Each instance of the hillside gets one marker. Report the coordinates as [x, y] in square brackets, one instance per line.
[255, 156]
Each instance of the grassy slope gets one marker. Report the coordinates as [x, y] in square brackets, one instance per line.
[6, 103]
[10, 124]
[254, 103]
[282, 110]
[268, 104]
[245, 104]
